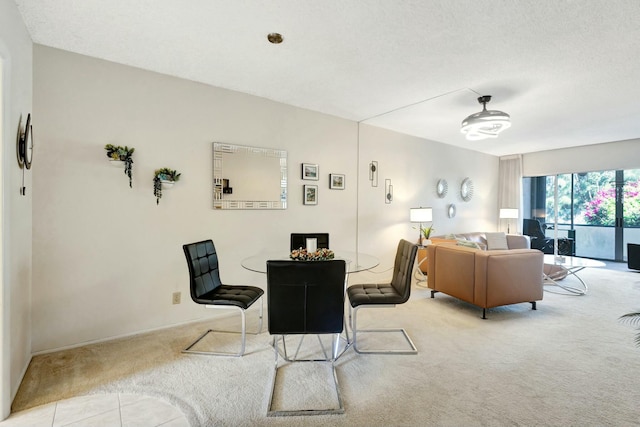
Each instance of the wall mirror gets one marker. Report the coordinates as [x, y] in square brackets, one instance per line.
[249, 177]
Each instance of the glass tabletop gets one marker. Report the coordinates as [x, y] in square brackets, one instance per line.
[572, 261]
[355, 261]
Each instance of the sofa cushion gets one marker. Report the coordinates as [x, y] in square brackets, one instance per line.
[468, 244]
[496, 241]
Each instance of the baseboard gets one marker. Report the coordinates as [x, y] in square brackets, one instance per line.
[16, 387]
[127, 335]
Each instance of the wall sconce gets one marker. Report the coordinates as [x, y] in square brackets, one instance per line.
[508, 213]
[373, 173]
[388, 191]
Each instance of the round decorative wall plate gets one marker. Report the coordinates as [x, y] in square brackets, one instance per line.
[441, 188]
[466, 189]
[451, 210]
[25, 145]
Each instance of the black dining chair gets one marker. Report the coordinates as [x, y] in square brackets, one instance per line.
[299, 240]
[305, 297]
[207, 289]
[384, 295]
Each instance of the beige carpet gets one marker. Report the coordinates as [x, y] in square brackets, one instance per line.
[570, 363]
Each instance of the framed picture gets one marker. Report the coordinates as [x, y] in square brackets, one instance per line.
[310, 194]
[336, 181]
[310, 171]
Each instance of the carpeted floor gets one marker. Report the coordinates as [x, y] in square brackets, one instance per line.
[569, 363]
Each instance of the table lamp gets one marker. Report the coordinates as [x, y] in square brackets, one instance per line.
[420, 215]
[508, 213]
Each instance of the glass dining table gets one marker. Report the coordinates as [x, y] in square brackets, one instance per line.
[355, 261]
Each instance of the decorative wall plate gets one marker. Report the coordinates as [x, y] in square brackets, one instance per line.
[25, 145]
[451, 210]
[441, 188]
[466, 189]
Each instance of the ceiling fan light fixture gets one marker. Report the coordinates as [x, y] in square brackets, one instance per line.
[486, 123]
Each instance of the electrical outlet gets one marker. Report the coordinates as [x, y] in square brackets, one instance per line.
[176, 298]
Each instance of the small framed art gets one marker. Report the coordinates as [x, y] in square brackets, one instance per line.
[336, 181]
[310, 194]
[310, 171]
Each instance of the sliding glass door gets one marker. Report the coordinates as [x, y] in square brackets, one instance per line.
[630, 226]
[599, 210]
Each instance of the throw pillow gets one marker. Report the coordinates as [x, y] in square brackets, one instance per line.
[496, 241]
[468, 244]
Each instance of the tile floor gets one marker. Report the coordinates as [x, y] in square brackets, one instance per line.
[104, 410]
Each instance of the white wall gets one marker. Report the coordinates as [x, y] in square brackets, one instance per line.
[414, 166]
[16, 60]
[107, 259]
[590, 158]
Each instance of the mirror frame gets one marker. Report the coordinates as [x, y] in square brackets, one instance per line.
[441, 188]
[219, 148]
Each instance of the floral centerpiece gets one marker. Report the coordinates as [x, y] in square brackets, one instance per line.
[321, 254]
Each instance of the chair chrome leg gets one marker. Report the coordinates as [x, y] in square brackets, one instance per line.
[296, 412]
[243, 333]
[412, 350]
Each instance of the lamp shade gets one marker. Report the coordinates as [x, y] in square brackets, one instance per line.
[420, 214]
[508, 213]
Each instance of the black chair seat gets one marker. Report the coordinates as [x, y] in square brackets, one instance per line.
[237, 295]
[374, 293]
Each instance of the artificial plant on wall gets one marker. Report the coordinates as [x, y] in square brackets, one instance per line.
[118, 154]
[163, 178]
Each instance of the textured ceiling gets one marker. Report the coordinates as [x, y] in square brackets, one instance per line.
[566, 71]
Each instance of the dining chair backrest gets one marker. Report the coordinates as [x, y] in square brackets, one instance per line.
[403, 268]
[204, 273]
[305, 297]
[299, 240]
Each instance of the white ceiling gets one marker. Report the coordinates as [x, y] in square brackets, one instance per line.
[567, 71]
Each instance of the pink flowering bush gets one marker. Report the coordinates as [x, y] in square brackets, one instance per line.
[601, 209]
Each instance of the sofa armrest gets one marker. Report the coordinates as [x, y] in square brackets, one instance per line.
[451, 270]
[518, 241]
[508, 277]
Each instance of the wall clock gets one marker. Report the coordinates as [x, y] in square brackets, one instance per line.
[25, 145]
[441, 188]
[466, 189]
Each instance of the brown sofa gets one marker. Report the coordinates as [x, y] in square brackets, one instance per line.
[514, 241]
[485, 278]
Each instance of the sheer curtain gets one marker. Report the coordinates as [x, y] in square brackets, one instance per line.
[510, 190]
